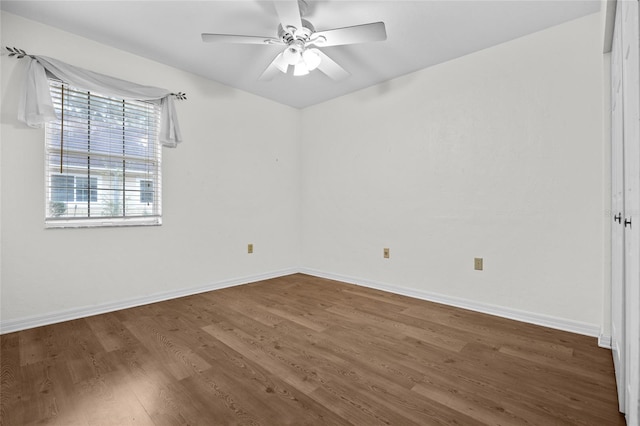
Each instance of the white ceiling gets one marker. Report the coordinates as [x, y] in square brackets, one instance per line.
[420, 34]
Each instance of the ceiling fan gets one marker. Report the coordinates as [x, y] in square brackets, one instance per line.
[302, 42]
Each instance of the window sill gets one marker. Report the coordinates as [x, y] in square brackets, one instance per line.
[102, 222]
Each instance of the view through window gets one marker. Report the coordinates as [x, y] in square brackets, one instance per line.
[103, 160]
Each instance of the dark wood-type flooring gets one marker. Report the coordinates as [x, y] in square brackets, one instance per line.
[301, 350]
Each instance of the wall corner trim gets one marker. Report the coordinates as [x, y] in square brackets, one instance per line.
[604, 341]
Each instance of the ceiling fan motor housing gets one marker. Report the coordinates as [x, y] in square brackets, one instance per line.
[291, 34]
[296, 40]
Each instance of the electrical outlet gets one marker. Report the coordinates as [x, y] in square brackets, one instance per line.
[250, 248]
[385, 253]
[477, 264]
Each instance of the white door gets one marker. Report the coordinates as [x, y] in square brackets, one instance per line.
[631, 125]
[617, 210]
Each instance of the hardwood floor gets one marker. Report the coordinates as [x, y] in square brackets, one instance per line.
[302, 350]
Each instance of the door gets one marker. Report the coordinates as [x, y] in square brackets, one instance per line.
[617, 211]
[631, 136]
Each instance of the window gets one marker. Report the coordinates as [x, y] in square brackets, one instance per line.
[146, 191]
[87, 189]
[67, 188]
[62, 188]
[103, 160]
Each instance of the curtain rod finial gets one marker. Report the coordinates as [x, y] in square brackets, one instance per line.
[18, 53]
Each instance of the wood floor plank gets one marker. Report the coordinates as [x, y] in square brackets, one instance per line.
[11, 379]
[433, 338]
[163, 398]
[289, 371]
[110, 331]
[489, 330]
[178, 358]
[108, 396]
[566, 395]
[259, 392]
[302, 319]
[43, 385]
[301, 350]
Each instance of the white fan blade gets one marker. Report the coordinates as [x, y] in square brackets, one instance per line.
[289, 13]
[350, 35]
[242, 39]
[331, 68]
[281, 62]
[277, 65]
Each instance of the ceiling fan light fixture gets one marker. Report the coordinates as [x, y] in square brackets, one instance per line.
[292, 54]
[300, 69]
[311, 58]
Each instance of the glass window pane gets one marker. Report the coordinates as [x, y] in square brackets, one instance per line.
[62, 188]
[146, 191]
[103, 158]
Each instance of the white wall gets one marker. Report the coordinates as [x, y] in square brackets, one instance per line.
[233, 181]
[498, 155]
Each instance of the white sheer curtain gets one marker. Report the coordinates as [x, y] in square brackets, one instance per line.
[36, 105]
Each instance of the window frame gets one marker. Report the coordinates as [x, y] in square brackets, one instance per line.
[91, 193]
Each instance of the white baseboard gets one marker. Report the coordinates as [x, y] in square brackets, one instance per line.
[87, 311]
[500, 311]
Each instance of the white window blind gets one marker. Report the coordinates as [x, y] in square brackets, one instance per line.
[103, 161]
